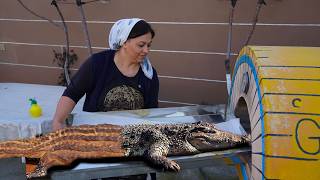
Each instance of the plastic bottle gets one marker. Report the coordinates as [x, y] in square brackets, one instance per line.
[35, 110]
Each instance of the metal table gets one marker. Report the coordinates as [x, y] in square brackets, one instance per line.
[223, 159]
[14, 168]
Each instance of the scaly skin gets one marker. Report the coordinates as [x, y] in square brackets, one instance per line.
[153, 142]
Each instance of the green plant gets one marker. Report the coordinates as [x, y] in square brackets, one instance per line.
[60, 59]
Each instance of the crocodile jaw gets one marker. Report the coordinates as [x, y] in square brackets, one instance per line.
[215, 141]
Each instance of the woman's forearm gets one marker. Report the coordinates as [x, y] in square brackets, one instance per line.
[64, 108]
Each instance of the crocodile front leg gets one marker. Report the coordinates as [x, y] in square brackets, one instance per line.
[161, 161]
[158, 150]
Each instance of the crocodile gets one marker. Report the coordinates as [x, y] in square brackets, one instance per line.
[151, 142]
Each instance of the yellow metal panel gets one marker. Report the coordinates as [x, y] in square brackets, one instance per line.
[287, 147]
[294, 141]
[292, 103]
[290, 73]
[290, 86]
[292, 169]
[285, 123]
[289, 83]
[228, 161]
[288, 56]
[239, 172]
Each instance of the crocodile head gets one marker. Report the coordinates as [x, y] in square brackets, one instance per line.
[206, 137]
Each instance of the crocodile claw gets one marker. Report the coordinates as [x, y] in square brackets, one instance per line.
[40, 171]
[170, 165]
[173, 166]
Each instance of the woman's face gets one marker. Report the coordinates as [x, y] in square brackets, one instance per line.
[138, 48]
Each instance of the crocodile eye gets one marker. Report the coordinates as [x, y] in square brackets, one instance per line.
[211, 131]
[198, 129]
[208, 130]
[201, 139]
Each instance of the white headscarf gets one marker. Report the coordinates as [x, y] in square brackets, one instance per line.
[118, 36]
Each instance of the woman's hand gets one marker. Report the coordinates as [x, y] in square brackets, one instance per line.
[56, 125]
[64, 108]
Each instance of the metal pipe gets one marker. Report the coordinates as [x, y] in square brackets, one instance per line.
[84, 25]
[65, 27]
[39, 16]
[227, 61]
[255, 20]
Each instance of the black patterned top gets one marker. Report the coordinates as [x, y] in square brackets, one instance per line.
[107, 89]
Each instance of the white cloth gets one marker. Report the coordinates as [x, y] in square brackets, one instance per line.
[118, 36]
[15, 121]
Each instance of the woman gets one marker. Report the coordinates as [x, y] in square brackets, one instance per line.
[121, 78]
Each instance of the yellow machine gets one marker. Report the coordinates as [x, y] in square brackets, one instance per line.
[276, 93]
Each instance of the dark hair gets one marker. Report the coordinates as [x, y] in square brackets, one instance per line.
[141, 28]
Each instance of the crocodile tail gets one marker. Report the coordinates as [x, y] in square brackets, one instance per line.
[17, 148]
[93, 141]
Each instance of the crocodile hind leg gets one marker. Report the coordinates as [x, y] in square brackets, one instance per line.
[158, 150]
[50, 159]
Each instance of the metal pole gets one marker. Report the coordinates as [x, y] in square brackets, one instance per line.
[227, 61]
[255, 20]
[39, 16]
[84, 25]
[65, 27]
